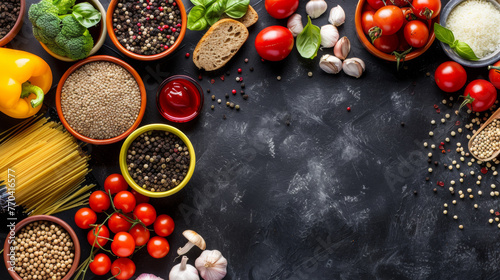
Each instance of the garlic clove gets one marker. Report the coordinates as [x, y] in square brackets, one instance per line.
[294, 24]
[337, 16]
[329, 36]
[330, 64]
[315, 8]
[354, 67]
[342, 48]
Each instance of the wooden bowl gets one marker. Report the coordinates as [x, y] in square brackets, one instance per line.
[93, 59]
[389, 57]
[118, 45]
[17, 26]
[37, 218]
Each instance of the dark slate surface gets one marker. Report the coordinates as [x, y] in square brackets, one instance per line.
[331, 196]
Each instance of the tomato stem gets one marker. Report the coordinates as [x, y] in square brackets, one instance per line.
[400, 56]
[467, 100]
[374, 33]
[497, 68]
[427, 13]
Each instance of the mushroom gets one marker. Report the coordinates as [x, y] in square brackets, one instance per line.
[193, 239]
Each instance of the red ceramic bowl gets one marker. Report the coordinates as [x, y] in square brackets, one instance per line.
[52, 219]
[93, 59]
[19, 23]
[389, 57]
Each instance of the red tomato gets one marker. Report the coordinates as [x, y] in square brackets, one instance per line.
[85, 217]
[376, 4]
[281, 8]
[102, 234]
[426, 9]
[368, 8]
[124, 201]
[450, 76]
[389, 19]
[416, 33]
[408, 14]
[403, 45]
[123, 269]
[100, 265]
[494, 74]
[480, 95]
[115, 183]
[99, 201]
[367, 21]
[274, 43]
[387, 44]
[164, 225]
[140, 234]
[123, 244]
[146, 213]
[158, 247]
[399, 3]
[139, 197]
[117, 222]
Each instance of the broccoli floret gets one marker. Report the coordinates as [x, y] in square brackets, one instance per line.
[71, 27]
[46, 28]
[64, 5]
[56, 49]
[41, 8]
[76, 47]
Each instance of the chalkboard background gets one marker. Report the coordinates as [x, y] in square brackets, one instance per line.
[293, 186]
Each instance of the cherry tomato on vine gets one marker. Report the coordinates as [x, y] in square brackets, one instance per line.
[450, 76]
[102, 235]
[494, 74]
[139, 197]
[123, 244]
[146, 213]
[140, 234]
[480, 95]
[387, 43]
[164, 225]
[281, 8]
[115, 183]
[389, 19]
[274, 43]
[85, 217]
[117, 223]
[416, 33]
[376, 4]
[426, 9]
[123, 268]
[367, 21]
[99, 201]
[408, 14]
[368, 8]
[124, 201]
[100, 265]
[158, 247]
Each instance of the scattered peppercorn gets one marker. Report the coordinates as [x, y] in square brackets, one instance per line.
[242, 85]
[251, 69]
[237, 107]
[402, 124]
[223, 117]
[212, 107]
[246, 60]
[245, 96]
[239, 70]
[187, 55]
[208, 90]
[278, 78]
[213, 97]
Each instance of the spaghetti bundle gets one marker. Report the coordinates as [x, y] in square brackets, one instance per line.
[47, 165]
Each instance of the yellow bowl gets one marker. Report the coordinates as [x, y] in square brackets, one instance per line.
[152, 127]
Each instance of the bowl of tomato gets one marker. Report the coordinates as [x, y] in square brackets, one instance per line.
[398, 29]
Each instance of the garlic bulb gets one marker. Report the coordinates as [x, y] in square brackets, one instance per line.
[337, 16]
[342, 48]
[212, 265]
[315, 8]
[183, 271]
[329, 36]
[294, 24]
[354, 67]
[330, 64]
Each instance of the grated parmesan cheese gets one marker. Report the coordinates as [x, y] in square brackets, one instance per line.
[477, 23]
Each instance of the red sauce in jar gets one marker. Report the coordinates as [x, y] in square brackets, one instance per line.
[179, 99]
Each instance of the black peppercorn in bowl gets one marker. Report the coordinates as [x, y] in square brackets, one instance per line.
[12, 19]
[146, 29]
[157, 160]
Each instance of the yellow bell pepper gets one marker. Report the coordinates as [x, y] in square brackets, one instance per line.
[24, 80]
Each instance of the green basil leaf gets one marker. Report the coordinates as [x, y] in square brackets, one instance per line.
[196, 19]
[309, 40]
[207, 3]
[197, 2]
[237, 8]
[444, 35]
[86, 14]
[215, 11]
[465, 51]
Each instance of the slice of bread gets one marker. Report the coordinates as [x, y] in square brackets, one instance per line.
[221, 42]
[249, 19]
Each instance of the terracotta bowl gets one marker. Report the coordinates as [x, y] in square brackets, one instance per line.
[17, 26]
[55, 220]
[389, 57]
[97, 44]
[118, 45]
[93, 59]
